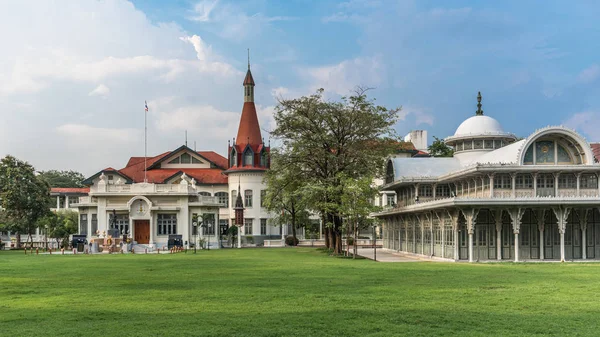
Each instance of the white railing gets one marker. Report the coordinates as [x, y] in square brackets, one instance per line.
[588, 192]
[143, 188]
[502, 193]
[274, 243]
[524, 193]
[85, 200]
[570, 192]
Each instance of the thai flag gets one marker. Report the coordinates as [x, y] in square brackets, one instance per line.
[146, 106]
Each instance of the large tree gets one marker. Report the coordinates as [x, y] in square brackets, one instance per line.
[24, 197]
[439, 149]
[59, 226]
[57, 178]
[284, 196]
[323, 142]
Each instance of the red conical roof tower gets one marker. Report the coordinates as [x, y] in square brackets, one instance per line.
[248, 151]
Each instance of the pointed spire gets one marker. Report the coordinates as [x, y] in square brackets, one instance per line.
[479, 112]
[248, 58]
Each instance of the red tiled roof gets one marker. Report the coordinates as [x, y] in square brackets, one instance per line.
[69, 190]
[216, 158]
[248, 79]
[596, 151]
[249, 129]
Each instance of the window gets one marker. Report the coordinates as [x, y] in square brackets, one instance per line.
[390, 200]
[186, 158]
[233, 197]
[478, 144]
[442, 191]
[588, 181]
[208, 225]
[233, 158]
[502, 181]
[489, 144]
[83, 224]
[223, 198]
[196, 160]
[223, 225]
[204, 194]
[425, 191]
[524, 181]
[94, 223]
[263, 195]
[248, 198]
[248, 157]
[167, 224]
[468, 145]
[110, 178]
[248, 226]
[264, 159]
[263, 226]
[567, 181]
[121, 222]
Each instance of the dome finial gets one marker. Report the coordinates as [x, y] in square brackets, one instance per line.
[479, 112]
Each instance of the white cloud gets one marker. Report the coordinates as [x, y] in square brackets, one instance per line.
[59, 62]
[587, 122]
[589, 74]
[101, 90]
[231, 21]
[420, 115]
[203, 9]
[343, 77]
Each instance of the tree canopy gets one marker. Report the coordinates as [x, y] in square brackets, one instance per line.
[326, 142]
[57, 178]
[24, 197]
[439, 149]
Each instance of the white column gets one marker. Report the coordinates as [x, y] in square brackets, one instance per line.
[515, 217]
[561, 215]
[541, 227]
[442, 225]
[491, 185]
[239, 237]
[498, 220]
[516, 246]
[562, 245]
[320, 229]
[578, 175]
[470, 246]
[66, 201]
[583, 214]
[58, 202]
[152, 229]
[455, 232]
[534, 183]
[513, 179]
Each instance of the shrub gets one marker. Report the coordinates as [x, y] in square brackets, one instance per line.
[291, 241]
[350, 241]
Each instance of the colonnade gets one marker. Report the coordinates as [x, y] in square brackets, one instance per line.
[514, 233]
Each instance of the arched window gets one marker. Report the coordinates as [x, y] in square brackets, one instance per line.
[204, 194]
[248, 157]
[389, 172]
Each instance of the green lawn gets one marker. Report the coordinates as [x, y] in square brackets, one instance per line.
[284, 292]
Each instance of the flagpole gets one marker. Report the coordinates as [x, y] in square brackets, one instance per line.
[145, 139]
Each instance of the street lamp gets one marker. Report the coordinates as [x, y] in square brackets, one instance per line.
[374, 243]
[209, 226]
[46, 227]
[195, 225]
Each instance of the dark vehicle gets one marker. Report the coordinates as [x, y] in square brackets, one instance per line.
[175, 241]
[79, 242]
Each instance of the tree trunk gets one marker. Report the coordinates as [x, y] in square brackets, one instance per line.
[337, 231]
[326, 233]
[294, 229]
[354, 249]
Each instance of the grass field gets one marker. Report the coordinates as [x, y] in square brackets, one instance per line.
[285, 292]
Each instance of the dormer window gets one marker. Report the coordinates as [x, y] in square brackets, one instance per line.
[248, 157]
[264, 160]
[233, 158]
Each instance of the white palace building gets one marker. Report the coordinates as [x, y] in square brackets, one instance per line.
[498, 198]
[153, 198]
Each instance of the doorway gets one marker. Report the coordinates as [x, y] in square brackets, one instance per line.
[142, 231]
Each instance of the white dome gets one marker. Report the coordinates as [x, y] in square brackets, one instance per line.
[479, 125]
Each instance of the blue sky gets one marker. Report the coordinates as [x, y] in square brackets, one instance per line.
[75, 77]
